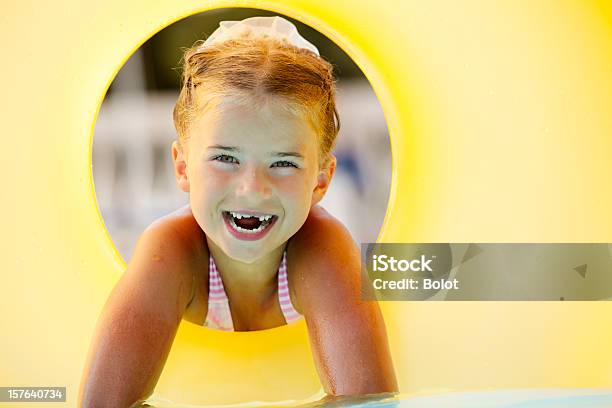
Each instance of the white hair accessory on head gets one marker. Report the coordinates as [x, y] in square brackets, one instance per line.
[273, 27]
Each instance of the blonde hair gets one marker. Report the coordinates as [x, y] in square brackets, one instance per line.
[259, 68]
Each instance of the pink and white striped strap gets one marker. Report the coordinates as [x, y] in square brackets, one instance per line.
[219, 315]
[284, 299]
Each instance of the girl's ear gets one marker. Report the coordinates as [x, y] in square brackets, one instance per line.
[323, 180]
[180, 166]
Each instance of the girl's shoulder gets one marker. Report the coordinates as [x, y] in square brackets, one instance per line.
[323, 260]
[178, 233]
[321, 231]
[179, 240]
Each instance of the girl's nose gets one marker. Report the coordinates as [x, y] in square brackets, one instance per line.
[254, 183]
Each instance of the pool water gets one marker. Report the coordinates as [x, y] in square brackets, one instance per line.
[524, 398]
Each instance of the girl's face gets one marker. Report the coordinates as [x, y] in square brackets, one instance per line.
[252, 174]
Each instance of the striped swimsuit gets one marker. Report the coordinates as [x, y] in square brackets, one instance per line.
[219, 315]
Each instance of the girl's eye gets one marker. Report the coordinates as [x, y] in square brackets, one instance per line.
[284, 163]
[224, 158]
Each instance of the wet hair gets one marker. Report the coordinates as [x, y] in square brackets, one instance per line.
[252, 70]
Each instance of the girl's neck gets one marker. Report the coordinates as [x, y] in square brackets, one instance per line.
[255, 279]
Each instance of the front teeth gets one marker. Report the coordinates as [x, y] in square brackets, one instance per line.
[247, 231]
[262, 218]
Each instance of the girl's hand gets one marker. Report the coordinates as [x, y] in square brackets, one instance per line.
[347, 334]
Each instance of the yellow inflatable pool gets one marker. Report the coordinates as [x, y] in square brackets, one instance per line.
[499, 115]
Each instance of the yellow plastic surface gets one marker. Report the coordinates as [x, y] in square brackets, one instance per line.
[501, 127]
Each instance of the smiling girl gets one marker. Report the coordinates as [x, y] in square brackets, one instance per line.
[256, 123]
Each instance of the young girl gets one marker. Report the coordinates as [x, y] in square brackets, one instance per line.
[256, 123]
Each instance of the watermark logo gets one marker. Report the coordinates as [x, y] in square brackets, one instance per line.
[383, 263]
[486, 271]
[404, 271]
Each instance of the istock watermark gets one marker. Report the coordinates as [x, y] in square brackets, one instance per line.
[486, 271]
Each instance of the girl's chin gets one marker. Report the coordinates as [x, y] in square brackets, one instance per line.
[237, 251]
[244, 251]
[249, 252]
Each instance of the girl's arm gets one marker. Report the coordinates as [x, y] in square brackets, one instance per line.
[347, 334]
[139, 321]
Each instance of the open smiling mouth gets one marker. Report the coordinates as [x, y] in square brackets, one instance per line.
[248, 226]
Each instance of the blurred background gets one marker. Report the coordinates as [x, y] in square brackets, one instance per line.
[132, 164]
